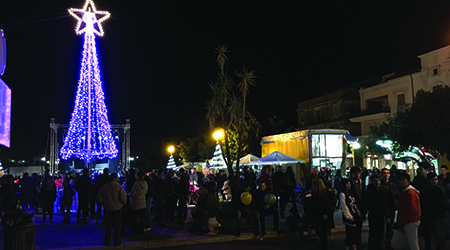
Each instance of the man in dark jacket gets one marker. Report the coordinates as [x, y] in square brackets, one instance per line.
[83, 185]
[444, 182]
[375, 202]
[182, 195]
[102, 180]
[28, 187]
[159, 195]
[392, 194]
[278, 180]
[433, 202]
[48, 192]
[259, 209]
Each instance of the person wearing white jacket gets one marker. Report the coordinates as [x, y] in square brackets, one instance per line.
[138, 204]
[351, 216]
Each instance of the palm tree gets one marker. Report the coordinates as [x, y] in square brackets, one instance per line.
[248, 78]
[222, 51]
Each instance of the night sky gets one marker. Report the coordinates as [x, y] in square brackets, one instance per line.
[157, 57]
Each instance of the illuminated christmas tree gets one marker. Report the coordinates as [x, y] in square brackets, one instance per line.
[217, 161]
[89, 135]
[171, 164]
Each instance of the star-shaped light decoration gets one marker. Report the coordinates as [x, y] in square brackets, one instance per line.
[89, 19]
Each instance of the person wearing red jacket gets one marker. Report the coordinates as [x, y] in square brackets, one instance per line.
[409, 212]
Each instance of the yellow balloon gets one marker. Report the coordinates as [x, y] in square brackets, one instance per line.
[246, 198]
[1, 173]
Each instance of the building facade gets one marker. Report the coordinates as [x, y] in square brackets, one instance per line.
[397, 91]
[331, 111]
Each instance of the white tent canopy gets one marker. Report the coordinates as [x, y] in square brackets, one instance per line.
[249, 160]
[278, 158]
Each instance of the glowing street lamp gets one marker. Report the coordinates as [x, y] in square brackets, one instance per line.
[218, 134]
[171, 149]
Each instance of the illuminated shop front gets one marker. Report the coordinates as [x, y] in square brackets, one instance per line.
[407, 160]
[317, 147]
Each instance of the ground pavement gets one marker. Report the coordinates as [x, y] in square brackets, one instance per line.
[90, 236]
[60, 236]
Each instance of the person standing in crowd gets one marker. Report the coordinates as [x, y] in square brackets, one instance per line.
[83, 186]
[287, 193]
[8, 194]
[375, 202]
[37, 180]
[27, 187]
[420, 182]
[193, 176]
[137, 200]
[220, 182]
[209, 181]
[102, 180]
[391, 195]
[67, 200]
[48, 192]
[337, 186]
[93, 197]
[444, 182]
[250, 177]
[409, 211]
[182, 196]
[259, 209]
[358, 190]
[393, 176]
[112, 196]
[158, 187]
[264, 176]
[351, 216]
[207, 206]
[170, 185]
[148, 203]
[433, 203]
[444, 178]
[311, 177]
[278, 180]
[357, 187]
[322, 207]
[130, 180]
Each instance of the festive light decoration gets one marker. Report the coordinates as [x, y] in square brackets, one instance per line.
[87, 18]
[217, 161]
[171, 164]
[89, 135]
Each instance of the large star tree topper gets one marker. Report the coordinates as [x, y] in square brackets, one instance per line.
[89, 18]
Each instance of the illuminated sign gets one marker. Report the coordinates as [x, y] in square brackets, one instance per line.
[5, 114]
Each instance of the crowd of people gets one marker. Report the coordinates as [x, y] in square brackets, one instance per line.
[136, 200]
[390, 200]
